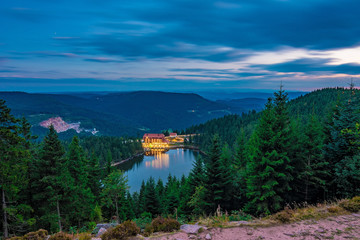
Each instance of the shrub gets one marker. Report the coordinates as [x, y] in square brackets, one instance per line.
[40, 234]
[122, 231]
[239, 216]
[144, 220]
[61, 236]
[284, 216]
[334, 209]
[161, 224]
[84, 236]
[352, 205]
[16, 238]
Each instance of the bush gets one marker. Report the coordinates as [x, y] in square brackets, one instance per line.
[352, 205]
[61, 236]
[84, 236]
[16, 238]
[122, 231]
[239, 216]
[334, 209]
[284, 216]
[144, 220]
[40, 234]
[161, 224]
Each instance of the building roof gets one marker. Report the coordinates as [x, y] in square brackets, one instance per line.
[173, 134]
[154, 135]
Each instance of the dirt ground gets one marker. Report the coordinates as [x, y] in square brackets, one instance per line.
[339, 227]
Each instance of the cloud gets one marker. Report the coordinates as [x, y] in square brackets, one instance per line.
[102, 60]
[198, 29]
[65, 38]
[315, 66]
[26, 14]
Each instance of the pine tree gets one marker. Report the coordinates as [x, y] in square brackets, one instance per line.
[268, 175]
[314, 175]
[152, 204]
[81, 197]
[213, 177]
[339, 150]
[240, 172]
[227, 172]
[47, 182]
[197, 174]
[13, 164]
[114, 190]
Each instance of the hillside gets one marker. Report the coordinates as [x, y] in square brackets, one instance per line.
[319, 102]
[117, 114]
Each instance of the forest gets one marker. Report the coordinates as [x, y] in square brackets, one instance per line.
[305, 150]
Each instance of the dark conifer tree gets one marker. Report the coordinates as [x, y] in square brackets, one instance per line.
[152, 204]
[14, 155]
[268, 176]
[213, 182]
[81, 197]
[47, 182]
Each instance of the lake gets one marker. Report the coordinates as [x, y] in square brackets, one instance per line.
[175, 162]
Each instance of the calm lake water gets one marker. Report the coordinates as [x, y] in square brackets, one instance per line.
[175, 162]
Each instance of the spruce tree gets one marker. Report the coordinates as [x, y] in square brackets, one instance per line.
[314, 175]
[81, 197]
[339, 150]
[152, 203]
[268, 168]
[197, 174]
[14, 155]
[213, 182]
[240, 171]
[47, 182]
[114, 190]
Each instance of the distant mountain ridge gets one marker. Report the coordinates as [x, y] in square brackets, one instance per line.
[121, 113]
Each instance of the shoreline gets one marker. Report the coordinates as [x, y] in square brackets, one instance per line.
[194, 148]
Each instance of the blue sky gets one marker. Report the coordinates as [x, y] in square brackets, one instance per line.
[112, 45]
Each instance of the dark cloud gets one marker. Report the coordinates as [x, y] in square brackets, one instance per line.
[314, 66]
[102, 60]
[255, 25]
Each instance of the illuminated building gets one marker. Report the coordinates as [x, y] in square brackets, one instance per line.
[154, 141]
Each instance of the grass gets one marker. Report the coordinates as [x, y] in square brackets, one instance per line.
[295, 213]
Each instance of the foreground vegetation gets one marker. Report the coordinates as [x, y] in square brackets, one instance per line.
[293, 214]
[275, 161]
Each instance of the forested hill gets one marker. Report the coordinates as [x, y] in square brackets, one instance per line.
[115, 114]
[229, 128]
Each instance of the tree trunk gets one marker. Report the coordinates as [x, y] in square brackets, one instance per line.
[58, 212]
[307, 182]
[5, 223]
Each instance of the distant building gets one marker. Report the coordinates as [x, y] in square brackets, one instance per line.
[154, 138]
[173, 135]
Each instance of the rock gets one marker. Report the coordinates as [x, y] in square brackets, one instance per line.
[102, 225]
[100, 232]
[208, 237]
[238, 223]
[105, 225]
[191, 229]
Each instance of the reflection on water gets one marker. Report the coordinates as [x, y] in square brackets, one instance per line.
[159, 165]
[161, 160]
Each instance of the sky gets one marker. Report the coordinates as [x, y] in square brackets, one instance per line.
[182, 45]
